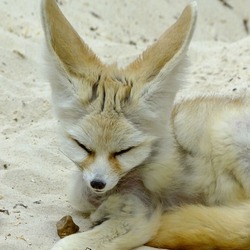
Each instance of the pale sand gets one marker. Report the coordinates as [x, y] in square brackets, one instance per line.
[33, 171]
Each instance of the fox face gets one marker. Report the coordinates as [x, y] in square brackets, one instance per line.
[104, 142]
[112, 119]
[105, 146]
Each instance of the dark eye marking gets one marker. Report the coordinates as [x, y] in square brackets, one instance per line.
[123, 151]
[89, 151]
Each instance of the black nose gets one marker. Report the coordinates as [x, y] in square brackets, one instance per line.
[98, 184]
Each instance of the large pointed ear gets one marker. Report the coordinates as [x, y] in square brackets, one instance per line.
[74, 68]
[62, 40]
[168, 50]
[155, 71]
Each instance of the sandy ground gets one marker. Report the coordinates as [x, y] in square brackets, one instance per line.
[33, 171]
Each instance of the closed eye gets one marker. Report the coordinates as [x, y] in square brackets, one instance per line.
[83, 147]
[123, 151]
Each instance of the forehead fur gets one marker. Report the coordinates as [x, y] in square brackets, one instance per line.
[112, 131]
[109, 91]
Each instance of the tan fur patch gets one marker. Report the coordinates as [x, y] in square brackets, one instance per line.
[114, 163]
[88, 161]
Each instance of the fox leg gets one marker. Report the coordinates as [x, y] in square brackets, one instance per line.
[79, 194]
[123, 222]
[200, 227]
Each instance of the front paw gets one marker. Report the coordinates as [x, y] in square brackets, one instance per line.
[95, 239]
[115, 207]
[65, 244]
[80, 241]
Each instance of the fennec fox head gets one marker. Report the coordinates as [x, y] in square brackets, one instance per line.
[112, 118]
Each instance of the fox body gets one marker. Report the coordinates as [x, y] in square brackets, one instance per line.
[151, 171]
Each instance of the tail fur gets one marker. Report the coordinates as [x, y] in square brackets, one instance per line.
[199, 227]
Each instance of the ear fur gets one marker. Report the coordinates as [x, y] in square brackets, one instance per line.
[157, 71]
[64, 42]
[74, 70]
[168, 50]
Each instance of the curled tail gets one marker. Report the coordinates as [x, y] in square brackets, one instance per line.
[200, 227]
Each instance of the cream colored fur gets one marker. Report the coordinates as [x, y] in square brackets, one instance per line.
[174, 177]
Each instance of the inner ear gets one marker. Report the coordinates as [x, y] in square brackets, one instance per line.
[168, 50]
[64, 42]
[74, 70]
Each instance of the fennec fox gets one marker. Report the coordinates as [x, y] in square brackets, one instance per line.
[150, 172]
